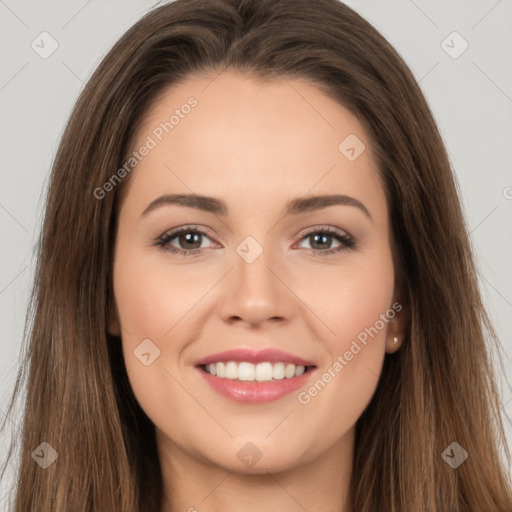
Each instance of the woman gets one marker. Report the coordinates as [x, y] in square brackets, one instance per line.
[259, 373]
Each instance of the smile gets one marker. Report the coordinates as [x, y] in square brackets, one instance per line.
[249, 372]
[251, 377]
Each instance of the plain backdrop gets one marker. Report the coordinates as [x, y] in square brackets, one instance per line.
[466, 78]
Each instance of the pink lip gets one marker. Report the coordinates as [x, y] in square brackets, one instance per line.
[255, 392]
[271, 355]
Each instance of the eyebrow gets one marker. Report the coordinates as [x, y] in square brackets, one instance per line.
[293, 207]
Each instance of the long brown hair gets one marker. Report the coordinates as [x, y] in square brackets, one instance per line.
[437, 389]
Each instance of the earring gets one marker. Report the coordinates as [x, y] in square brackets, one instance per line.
[395, 340]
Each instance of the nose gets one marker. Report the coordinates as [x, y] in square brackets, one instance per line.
[256, 293]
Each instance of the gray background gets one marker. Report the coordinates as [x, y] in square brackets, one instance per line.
[470, 96]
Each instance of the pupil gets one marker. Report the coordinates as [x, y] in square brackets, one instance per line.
[324, 238]
[193, 238]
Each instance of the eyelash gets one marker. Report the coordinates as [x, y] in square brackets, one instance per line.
[347, 241]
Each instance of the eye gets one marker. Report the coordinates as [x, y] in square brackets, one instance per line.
[322, 237]
[188, 238]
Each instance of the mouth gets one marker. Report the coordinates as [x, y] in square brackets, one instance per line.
[246, 376]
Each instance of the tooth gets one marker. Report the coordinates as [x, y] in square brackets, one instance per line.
[231, 370]
[246, 371]
[221, 370]
[278, 371]
[263, 372]
[289, 371]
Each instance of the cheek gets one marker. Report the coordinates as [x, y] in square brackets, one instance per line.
[151, 312]
[139, 299]
[350, 298]
[152, 300]
[358, 311]
[145, 311]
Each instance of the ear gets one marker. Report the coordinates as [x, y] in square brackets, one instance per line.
[114, 326]
[396, 329]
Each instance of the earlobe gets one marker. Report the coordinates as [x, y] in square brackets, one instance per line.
[393, 341]
[396, 329]
[394, 345]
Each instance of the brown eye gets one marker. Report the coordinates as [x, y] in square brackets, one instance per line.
[188, 241]
[321, 240]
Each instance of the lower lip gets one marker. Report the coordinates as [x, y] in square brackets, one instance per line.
[255, 392]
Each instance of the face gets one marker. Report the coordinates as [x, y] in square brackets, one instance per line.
[263, 270]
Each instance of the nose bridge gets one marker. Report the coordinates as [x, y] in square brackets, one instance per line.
[253, 263]
[255, 293]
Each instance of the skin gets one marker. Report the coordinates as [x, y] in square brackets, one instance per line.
[255, 146]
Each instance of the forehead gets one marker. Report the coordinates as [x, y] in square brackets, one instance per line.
[254, 140]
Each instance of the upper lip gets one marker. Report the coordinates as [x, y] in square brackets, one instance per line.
[271, 355]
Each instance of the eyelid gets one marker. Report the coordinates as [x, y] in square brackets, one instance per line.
[323, 227]
[195, 228]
